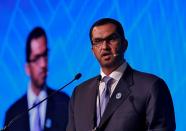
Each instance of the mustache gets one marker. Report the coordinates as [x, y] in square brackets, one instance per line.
[43, 70]
[104, 53]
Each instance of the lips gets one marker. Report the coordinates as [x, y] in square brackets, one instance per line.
[105, 54]
[43, 73]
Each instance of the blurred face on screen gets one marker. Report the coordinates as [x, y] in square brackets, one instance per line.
[38, 65]
[107, 45]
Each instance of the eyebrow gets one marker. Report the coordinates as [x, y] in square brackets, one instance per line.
[45, 53]
[114, 33]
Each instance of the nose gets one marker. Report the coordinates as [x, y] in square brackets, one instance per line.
[43, 62]
[105, 44]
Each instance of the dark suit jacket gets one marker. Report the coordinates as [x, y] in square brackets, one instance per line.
[56, 113]
[145, 105]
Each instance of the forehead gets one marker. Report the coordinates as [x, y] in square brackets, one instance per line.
[38, 45]
[103, 30]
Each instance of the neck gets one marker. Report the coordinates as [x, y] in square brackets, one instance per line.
[36, 89]
[108, 70]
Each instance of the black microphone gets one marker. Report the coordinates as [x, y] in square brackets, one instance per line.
[116, 55]
[116, 52]
[77, 76]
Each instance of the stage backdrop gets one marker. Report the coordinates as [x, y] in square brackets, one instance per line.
[155, 30]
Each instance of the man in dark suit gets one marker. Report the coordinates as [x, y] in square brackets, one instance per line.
[120, 98]
[51, 115]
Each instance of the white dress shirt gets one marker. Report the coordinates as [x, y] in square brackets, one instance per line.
[115, 75]
[31, 97]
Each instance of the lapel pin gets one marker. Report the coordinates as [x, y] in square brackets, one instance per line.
[48, 123]
[118, 95]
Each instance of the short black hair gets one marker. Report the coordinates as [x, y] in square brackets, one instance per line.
[104, 21]
[35, 33]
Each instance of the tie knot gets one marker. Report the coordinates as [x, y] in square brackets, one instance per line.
[107, 80]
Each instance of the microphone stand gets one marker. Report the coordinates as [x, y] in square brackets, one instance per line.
[22, 114]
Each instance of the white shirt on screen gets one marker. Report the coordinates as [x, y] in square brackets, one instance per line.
[31, 97]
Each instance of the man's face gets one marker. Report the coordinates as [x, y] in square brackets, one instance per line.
[107, 45]
[38, 65]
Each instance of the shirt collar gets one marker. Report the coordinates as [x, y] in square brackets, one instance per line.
[116, 74]
[32, 97]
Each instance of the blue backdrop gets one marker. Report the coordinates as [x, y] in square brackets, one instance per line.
[155, 30]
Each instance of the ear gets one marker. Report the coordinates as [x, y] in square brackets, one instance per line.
[27, 69]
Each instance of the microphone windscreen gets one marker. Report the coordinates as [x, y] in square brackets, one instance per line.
[78, 76]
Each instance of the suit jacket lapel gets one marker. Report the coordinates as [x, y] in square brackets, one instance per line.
[122, 89]
[49, 109]
[25, 118]
[90, 108]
